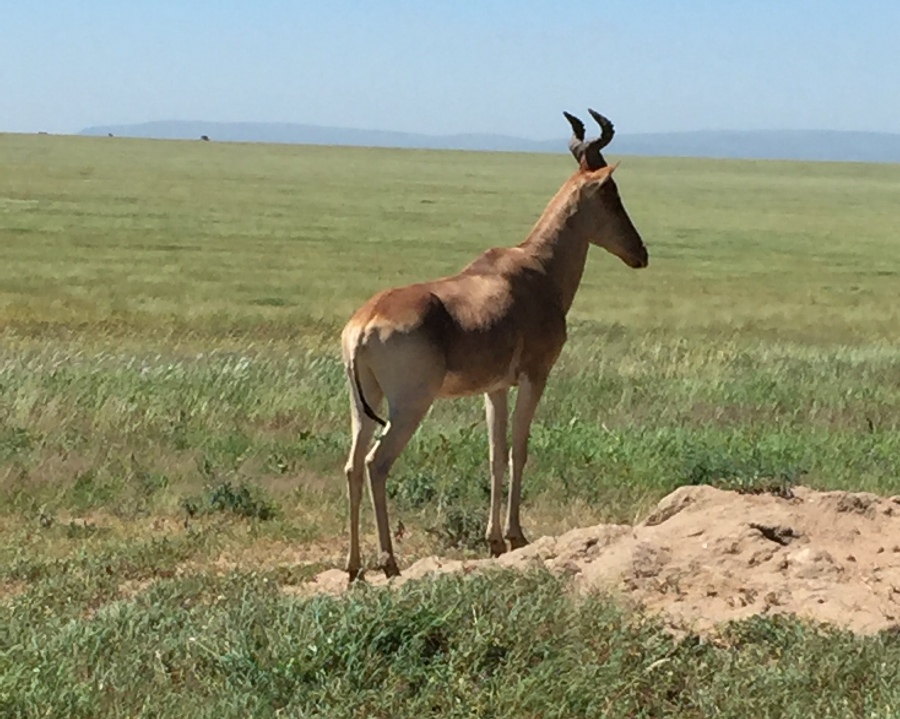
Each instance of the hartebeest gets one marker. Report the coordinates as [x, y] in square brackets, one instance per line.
[499, 323]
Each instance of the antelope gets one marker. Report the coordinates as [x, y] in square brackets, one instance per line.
[499, 323]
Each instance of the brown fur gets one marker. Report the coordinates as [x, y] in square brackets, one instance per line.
[499, 323]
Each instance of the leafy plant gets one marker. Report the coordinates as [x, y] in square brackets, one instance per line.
[460, 527]
[240, 499]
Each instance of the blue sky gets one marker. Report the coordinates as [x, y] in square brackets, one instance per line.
[461, 66]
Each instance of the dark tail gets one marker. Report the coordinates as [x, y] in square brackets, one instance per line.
[370, 413]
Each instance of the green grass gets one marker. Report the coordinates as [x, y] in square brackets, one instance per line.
[262, 239]
[500, 645]
[173, 414]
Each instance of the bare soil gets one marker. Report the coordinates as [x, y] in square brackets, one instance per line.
[706, 556]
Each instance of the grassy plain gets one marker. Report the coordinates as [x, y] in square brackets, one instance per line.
[173, 422]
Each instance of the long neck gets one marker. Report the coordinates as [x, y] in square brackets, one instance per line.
[559, 241]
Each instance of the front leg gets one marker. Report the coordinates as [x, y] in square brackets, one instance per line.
[530, 390]
[497, 411]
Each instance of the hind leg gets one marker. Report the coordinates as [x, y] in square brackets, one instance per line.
[362, 431]
[405, 417]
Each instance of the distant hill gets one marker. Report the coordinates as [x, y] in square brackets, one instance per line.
[760, 144]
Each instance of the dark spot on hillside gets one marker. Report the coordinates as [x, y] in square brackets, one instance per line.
[270, 302]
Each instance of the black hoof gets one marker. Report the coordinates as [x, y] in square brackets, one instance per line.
[389, 566]
[497, 546]
[517, 542]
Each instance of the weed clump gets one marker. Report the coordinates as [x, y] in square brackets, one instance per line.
[460, 527]
[240, 499]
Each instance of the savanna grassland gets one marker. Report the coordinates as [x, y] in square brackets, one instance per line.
[173, 427]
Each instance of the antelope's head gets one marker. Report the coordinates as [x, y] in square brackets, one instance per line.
[611, 227]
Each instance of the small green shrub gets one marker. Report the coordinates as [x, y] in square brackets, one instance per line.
[460, 527]
[240, 499]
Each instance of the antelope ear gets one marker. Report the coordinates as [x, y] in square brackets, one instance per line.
[596, 178]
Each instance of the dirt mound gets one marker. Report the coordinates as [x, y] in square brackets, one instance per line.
[706, 556]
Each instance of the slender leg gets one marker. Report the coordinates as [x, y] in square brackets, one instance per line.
[530, 390]
[404, 419]
[497, 411]
[362, 429]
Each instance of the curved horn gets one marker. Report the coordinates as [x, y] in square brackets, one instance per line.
[576, 144]
[577, 125]
[587, 153]
[606, 130]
